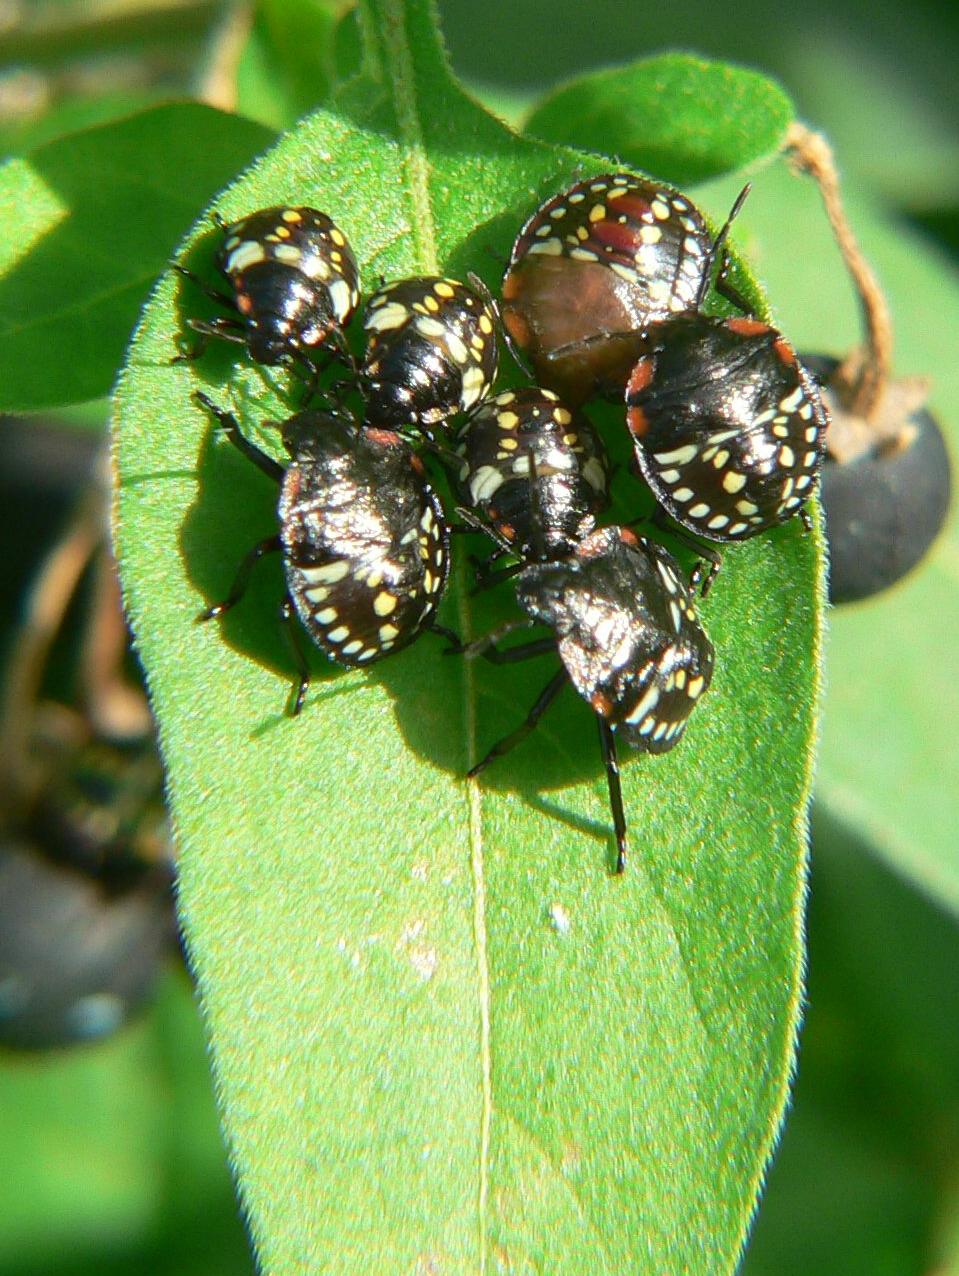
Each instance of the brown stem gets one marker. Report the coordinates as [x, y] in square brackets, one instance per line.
[863, 378]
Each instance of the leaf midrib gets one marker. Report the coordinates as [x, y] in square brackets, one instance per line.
[402, 81]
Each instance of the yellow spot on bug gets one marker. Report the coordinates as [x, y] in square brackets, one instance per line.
[384, 603]
[443, 289]
[292, 215]
[597, 212]
[338, 237]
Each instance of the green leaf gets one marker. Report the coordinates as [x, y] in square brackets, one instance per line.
[89, 222]
[893, 671]
[681, 117]
[445, 1036]
[864, 1184]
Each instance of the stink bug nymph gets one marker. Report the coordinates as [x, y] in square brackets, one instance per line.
[624, 625]
[364, 540]
[534, 471]
[728, 427]
[295, 286]
[431, 351]
[593, 266]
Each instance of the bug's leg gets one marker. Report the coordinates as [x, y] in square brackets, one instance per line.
[607, 742]
[702, 575]
[487, 579]
[213, 293]
[242, 579]
[805, 518]
[729, 290]
[224, 329]
[475, 524]
[449, 635]
[228, 423]
[288, 620]
[480, 646]
[525, 651]
[544, 700]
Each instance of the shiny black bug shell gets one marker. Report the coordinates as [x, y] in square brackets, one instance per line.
[627, 633]
[606, 256]
[295, 281]
[431, 351]
[728, 427]
[523, 433]
[365, 540]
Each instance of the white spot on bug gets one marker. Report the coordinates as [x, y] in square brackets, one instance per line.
[650, 234]
[548, 248]
[388, 633]
[327, 573]
[717, 521]
[627, 273]
[803, 481]
[792, 401]
[327, 615]
[676, 615]
[669, 476]
[683, 494]
[737, 528]
[341, 299]
[695, 688]
[289, 254]
[747, 507]
[659, 210]
[699, 510]
[385, 318]
[679, 456]
[583, 254]
[317, 595]
[649, 702]
[787, 457]
[733, 482]
[353, 647]
[338, 634]
[484, 483]
[249, 253]
[384, 603]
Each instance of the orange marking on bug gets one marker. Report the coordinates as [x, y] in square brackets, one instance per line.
[640, 376]
[628, 537]
[244, 303]
[747, 327]
[517, 327]
[637, 422]
[602, 704]
[785, 352]
[381, 436]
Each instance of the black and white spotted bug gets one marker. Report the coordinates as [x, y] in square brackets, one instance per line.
[728, 427]
[295, 286]
[431, 351]
[364, 540]
[534, 471]
[623, 622]
[593, 266]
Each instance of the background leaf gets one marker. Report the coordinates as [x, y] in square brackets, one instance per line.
[681, 117]
[443, 1033]
[89, 222]
[136, 1114]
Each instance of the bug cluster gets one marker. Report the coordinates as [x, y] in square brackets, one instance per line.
[603, 297]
